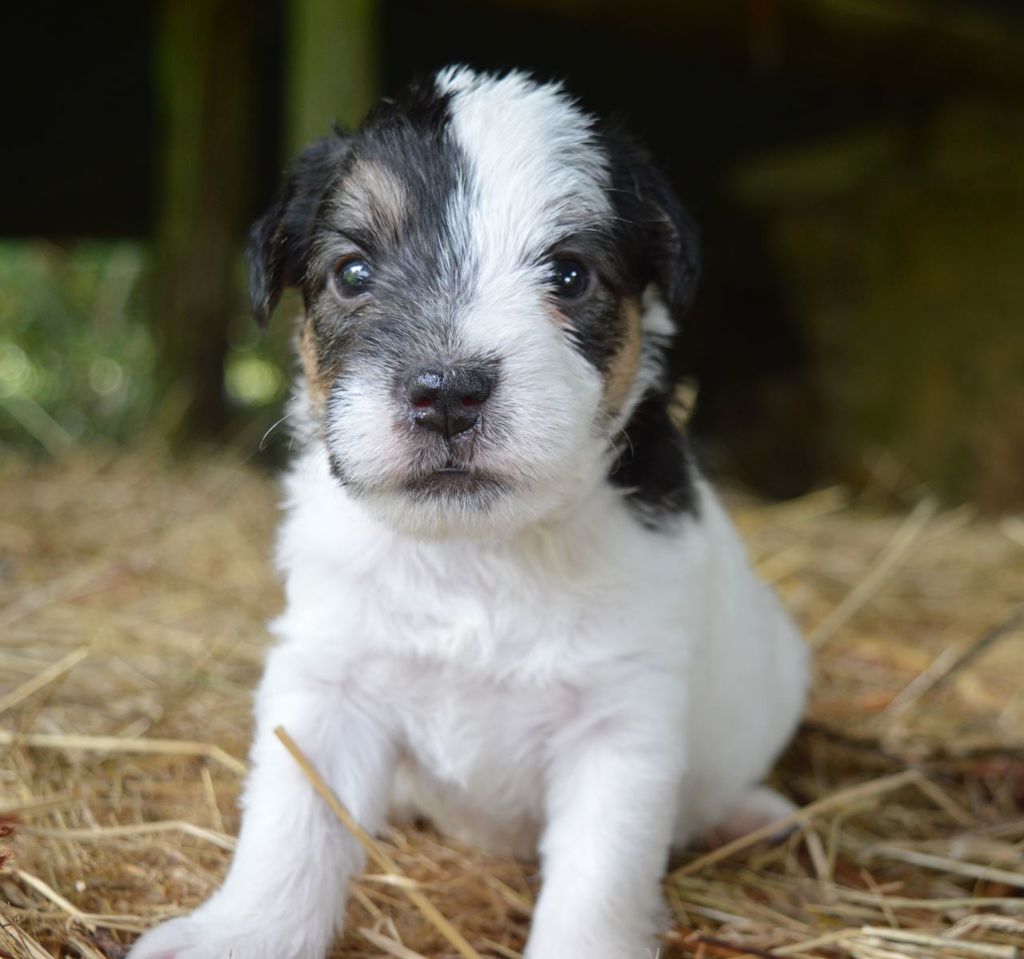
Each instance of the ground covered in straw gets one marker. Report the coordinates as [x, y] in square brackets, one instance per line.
[132, 601]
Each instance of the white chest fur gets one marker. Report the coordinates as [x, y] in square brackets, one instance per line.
[481, 655]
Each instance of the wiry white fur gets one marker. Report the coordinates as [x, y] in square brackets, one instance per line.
[571, 683]
[542, 174]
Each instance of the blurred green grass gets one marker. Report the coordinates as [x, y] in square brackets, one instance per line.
[78, 353]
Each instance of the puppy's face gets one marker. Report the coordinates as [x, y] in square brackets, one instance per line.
[491, 287]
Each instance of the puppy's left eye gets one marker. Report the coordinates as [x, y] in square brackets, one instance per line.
[569, 278]
[352, 276]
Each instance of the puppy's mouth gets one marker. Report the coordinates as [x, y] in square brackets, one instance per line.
[454, 481]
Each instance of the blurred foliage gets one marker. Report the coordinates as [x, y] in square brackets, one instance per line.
[77, 356]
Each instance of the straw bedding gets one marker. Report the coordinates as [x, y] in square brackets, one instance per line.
[133, 595]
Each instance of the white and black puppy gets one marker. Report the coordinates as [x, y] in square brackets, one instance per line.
[513, 605]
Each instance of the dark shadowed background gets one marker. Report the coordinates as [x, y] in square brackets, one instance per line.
[856, 167]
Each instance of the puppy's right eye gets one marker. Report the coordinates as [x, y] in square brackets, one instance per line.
[569, 278]
[352, 277]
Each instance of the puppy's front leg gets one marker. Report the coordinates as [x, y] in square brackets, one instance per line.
[284, 894]
[611, 803]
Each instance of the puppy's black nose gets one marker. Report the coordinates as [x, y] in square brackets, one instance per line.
[448, 401]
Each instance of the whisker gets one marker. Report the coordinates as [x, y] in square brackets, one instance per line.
[274, 426]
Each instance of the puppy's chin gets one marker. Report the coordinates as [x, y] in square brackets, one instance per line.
[449, 506]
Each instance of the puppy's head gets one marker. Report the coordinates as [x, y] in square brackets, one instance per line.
[492, 285]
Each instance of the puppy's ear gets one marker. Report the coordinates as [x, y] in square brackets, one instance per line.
[279, 240]
[663, 234]
[678, 244]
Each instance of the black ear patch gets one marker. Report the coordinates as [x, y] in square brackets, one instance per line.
[680, 258]
[660, 245]
[656, 233]
[279, 241]
[655, 467]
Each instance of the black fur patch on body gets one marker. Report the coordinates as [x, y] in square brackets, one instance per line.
[655, 466]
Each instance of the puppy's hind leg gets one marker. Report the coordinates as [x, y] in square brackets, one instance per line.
[759, 808]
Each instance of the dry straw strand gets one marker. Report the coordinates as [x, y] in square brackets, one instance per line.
[43, 678]
[118, 744]
[105, 833]
[951, 866]
[938, 942]
[877, 574]
[389, 946]
[935, 678]
[48, 892]
[852, 794]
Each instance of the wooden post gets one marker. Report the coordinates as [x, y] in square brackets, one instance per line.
[203, 82]
[332, 66]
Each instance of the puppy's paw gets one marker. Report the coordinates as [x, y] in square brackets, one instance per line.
[757, 809]
[175, 939]
[594, 948]
[210, 935]
[602, 934]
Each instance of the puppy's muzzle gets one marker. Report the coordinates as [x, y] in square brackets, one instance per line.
[448, 401]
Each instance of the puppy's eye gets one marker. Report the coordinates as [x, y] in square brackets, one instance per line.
[569, 278]
[352, 276]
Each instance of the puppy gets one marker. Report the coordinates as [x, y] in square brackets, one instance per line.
[513, 604]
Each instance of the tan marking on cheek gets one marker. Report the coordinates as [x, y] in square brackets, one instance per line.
[621, 371]
[318, 380]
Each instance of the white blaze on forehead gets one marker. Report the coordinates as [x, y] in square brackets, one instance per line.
[535, 168]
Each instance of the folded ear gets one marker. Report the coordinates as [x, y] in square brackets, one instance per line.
[662, 232]
[279, 240]
[678, 243]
